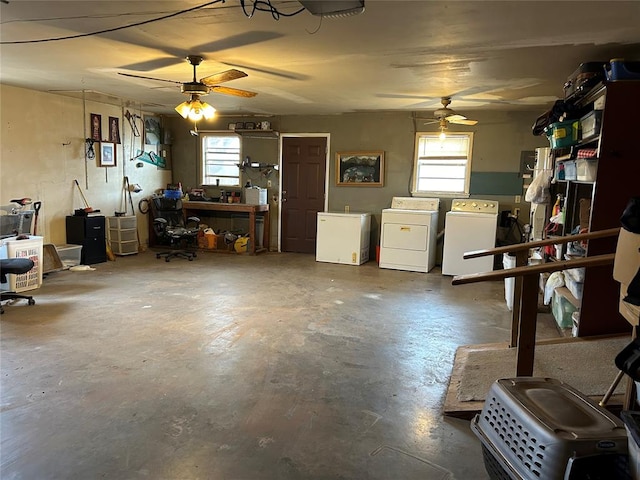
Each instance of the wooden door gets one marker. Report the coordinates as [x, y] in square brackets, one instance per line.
[303, 183]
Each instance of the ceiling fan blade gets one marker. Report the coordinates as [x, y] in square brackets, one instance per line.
[222, 77]
[461, 121]
[149, 78]
[232, 91]
[454, 117]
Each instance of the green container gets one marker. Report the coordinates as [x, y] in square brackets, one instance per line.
[563, 134]
[562, 310]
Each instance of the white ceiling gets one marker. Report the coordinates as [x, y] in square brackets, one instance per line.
[397, 55]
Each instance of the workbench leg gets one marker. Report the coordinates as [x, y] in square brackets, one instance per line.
[266, 236]
[527, 331]
[252, 233]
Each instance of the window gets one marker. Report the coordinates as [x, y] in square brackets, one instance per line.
[220, 159]
[442, 167]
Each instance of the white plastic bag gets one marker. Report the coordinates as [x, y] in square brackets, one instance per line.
[555, 280]
[538, 190]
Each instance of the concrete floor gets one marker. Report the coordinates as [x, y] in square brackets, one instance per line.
[241, 367]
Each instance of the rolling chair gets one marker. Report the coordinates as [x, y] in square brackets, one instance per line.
[171, 228]
[14, 266]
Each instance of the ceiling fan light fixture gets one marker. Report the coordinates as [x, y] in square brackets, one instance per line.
[196, 110]
[443, 135]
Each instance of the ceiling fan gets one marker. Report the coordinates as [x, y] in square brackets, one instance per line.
[206, 84]
[194, 108]
[446, 114]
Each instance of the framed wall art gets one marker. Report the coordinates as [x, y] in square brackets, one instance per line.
[96, 127]
[107, 154]
[151, 130]
[360, 169]
[114, 129]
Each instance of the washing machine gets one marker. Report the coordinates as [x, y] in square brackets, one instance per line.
[471, 224]
[408, 234]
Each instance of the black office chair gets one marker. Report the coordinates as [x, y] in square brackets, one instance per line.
[14, 266]
[171, 228]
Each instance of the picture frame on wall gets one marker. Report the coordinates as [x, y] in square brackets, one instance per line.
[96, 127]
[152, 130]
[114, 129]
[107, 154]
[360, 169]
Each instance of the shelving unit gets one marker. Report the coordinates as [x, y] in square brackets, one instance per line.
[617, 179]
[257, 133]
[123, 234]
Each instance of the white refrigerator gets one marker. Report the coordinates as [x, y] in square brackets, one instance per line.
[343, 237]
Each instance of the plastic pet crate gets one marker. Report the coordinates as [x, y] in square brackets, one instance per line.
[541, 428]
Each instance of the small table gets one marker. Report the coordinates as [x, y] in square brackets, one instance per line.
[191, 208]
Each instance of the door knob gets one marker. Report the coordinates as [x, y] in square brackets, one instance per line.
[284, 200]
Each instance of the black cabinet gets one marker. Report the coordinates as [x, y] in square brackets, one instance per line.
[90, 233]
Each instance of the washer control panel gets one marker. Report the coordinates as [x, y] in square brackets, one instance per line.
[474, 205]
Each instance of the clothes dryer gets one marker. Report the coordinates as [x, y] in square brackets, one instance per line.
[408, 234]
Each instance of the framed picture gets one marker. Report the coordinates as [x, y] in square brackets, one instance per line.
[96, 127]
[360, 169]
[114, 129]
[107, 154]
[152, 131]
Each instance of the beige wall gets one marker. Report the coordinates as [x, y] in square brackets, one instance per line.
[42, 145]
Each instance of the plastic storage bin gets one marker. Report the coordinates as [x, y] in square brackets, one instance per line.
[570, 170]
[573, 285]
[70, 255]
[590, 124]
[619, 69]
[586, 170]
[255, 196]
[29, 248]
[541, 428]
[562, 309]
[563, 134]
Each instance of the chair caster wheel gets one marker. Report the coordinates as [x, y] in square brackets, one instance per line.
[194, 255]
[31, 301]
[191, 259]
[166, 259]
[157, 255]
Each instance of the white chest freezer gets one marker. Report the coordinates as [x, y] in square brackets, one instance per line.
[343, 237]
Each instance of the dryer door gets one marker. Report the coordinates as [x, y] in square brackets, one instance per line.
[405, 236]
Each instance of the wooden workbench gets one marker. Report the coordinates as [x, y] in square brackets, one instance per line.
[191, 208]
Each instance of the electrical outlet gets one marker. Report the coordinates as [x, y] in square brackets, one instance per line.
[268, 183]
[518, 198]
[346, 209]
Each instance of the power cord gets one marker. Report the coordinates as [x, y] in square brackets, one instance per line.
[91, 153]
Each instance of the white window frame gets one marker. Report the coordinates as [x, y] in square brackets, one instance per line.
[416, 164]
[202, 168]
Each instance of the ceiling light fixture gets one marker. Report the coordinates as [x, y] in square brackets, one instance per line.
[195, 109]
[443, 129]
[333, 8]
